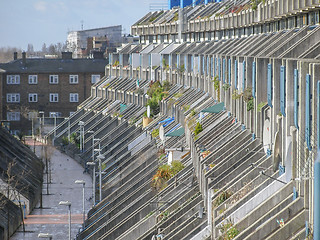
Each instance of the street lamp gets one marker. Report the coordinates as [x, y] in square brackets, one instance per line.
[68, 118]
[83, 208]
[100, 158]
[67, 203]
[93, 181]
[81, 125]
[54, 128]
[41, 120]
[45, 235]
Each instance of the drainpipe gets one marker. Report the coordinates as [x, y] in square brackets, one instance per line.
[316, 210]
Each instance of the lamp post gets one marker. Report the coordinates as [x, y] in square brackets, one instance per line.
[83, 197]
[93, 181]
[81, 124]
[68, 118]
[45, 235]
[100, 158]
[92, 156]
[67, 203]
[54, 128]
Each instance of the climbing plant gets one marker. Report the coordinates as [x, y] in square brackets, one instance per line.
[157, 92]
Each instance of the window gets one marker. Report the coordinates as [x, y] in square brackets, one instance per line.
[33, 97]
[54, 97]
[15, 132]
[74, 97]
[33, 79]
[73, 79]
[13, 97]
[13, 116]
[13, 79]
[55, 114]
[95, 78]
[53, 79]
[32, 115]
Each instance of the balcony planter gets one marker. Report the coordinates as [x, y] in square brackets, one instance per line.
[146, 121]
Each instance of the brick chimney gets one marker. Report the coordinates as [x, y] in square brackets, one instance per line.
[15, 56]
[24, 58]
[66, 55]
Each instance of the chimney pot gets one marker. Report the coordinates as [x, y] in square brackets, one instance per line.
[24, 58]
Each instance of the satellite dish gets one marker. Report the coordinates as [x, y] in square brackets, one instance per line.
[276, 152]
[288, 163]
[148, 111]
[170, 157]
[266, 136]
[161, 133]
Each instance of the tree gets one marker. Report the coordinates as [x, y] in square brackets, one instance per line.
[30, 50]
[13, 188]
[52, 49]
[44, 48]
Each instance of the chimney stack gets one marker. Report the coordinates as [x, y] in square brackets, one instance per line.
[15, 56]
[66, 55]
[24, 58]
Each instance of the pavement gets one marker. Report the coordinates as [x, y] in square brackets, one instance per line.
[53, 218]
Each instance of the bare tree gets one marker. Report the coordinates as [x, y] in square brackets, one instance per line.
[46, 155]
[14, 188]
[30, 50]
[44, 48]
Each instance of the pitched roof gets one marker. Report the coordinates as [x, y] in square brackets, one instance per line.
[42, 65]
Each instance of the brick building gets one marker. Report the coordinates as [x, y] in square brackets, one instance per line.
[54, 86]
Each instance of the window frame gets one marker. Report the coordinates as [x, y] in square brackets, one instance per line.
[55, 78]
[72, 96]
[33, 79]
[15, 114]
[33, 95]
[57, 114]
[73, 79]
[53, 95]
[13, 79]
[94, 76]
[9, 95]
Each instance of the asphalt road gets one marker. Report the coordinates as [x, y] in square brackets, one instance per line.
[53, 218]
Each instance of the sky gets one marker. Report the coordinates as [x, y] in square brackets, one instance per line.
[48, 21]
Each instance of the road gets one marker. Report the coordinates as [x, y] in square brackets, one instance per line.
[53, 218]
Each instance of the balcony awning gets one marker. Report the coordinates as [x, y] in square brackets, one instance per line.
[215, 108]
[167, 121]
[176, 133]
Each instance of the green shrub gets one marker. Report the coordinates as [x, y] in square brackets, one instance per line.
[164, 173]
[176, 166]
[247, 94]
[221, 198]
[65, 141]
[250, 105]
[228, 230]
[226, 86]
[155, 133]
[236, 95]
[216, 83]
[198, 129]
[186, 108]
[193, 112]
[260, 106]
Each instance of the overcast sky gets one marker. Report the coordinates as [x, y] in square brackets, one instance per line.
[48, 21]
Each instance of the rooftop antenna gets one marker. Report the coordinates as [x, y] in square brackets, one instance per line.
[81, 24]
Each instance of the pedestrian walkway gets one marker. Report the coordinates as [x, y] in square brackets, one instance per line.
[53, 218]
